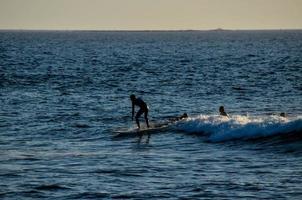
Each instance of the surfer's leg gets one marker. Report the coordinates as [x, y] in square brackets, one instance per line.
[146, 118]
[138, 114]
[137, 122]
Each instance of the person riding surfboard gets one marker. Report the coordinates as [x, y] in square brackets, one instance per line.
[143, 109]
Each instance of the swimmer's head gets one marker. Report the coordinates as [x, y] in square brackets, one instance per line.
[282, 114]
[221, 109]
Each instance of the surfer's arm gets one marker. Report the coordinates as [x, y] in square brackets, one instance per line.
[132, 111]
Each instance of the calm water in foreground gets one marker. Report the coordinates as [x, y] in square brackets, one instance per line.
[64, 95]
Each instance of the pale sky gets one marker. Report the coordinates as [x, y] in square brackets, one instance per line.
[150, 14]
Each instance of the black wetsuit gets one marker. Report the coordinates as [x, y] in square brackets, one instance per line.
[223, 113]
[143, 108]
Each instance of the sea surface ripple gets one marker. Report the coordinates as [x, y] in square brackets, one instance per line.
[65, 94]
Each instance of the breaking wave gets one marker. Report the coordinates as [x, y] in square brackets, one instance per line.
[238, 127]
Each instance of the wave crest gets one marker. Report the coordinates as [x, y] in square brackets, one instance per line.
[220, 128]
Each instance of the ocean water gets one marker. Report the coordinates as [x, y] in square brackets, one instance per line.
[65, 94]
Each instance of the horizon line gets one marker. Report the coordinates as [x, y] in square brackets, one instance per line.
[154, 30]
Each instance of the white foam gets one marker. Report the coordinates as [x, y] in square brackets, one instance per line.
[219, 128]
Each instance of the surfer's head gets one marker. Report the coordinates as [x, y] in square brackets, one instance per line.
[221, 109]
[185, 115]
[132, 97]
[282, 114]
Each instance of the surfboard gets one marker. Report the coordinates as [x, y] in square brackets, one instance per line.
[132, 132]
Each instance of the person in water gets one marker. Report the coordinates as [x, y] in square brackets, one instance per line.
[282, 114]
[222, 112]
[183, 116]
[143, 108]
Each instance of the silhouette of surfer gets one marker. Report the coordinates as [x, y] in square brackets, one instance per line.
[143, 109]
[222, 112]
[282, 114]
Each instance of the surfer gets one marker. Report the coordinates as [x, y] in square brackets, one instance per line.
[171, 120]
[175, 119]
[143, 109]
[282, 114]
[222, 112]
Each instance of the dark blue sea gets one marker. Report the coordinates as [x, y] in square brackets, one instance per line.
[65, 115]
